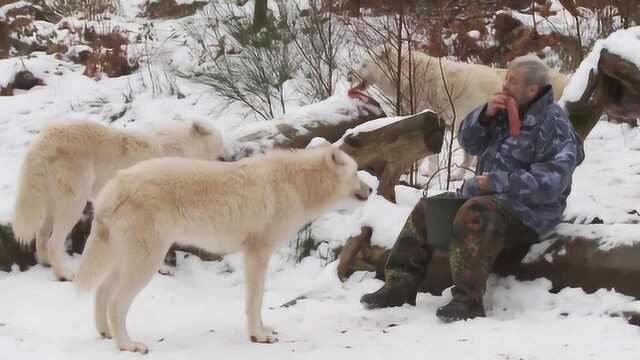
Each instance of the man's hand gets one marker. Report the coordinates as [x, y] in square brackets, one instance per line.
[483, 182]
[496, 102]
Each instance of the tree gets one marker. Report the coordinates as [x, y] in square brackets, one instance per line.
[240, 65]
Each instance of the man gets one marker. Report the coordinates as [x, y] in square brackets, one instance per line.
[522, 181]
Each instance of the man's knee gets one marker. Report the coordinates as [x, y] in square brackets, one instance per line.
[485, 204]
[478, 215]
[415, 227]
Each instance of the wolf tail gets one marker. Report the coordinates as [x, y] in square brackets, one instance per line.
[30, 208]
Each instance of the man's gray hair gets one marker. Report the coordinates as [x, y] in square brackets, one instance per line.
[536, 71]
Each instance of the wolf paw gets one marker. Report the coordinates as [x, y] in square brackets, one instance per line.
[65, 276]
[266, 335]
[43, 259]
[166, 270]
[105, 334]
[134, 347]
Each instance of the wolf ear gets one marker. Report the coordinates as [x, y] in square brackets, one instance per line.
[200, 128]
[335, 158]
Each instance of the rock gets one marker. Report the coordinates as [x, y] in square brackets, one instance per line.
[23, 80]
[171, 9]
[11, 253]
[79, 54]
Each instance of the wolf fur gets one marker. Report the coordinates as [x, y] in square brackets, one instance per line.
[252, 206]
[68, 163]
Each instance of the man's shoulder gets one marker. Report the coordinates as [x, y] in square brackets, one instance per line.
[556, 129]
[555, 120]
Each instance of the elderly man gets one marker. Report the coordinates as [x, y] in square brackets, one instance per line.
[526, 157]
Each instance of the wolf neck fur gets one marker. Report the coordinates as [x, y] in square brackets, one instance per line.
[316, 199]
[145, 146]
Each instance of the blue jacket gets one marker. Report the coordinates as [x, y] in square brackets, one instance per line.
[531, 173]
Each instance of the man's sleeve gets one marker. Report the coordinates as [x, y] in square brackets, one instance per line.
[475, 131]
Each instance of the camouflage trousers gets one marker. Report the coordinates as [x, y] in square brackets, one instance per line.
[482, 229]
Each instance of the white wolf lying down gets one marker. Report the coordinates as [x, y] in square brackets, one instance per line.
[253, 206]
[68, 163]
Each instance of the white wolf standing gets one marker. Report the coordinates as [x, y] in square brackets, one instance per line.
[253, 206]
[470, 85]
[68, 164]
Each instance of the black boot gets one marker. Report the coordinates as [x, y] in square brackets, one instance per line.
[394, 293]
[461, 307]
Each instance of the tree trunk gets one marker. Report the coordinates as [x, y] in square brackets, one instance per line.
[259, 15]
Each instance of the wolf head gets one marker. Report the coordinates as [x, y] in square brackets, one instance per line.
[363, 75]
[375, 70]
[345, 169]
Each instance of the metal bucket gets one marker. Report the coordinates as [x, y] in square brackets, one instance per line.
[440, 211]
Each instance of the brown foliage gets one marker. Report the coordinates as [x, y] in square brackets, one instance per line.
[5, 43]
[109, 54]
[19, 20]
[41, 13]
[449, 21]
[57, 49]
[112, 62]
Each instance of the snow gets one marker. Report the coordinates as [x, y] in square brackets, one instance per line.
[69, 95]
[474, 34]
[370, 126]
[200, 312]
[609, 235]
[13, 6]
[606, 184]
[564, 23]
[333, 110]
[386, 219]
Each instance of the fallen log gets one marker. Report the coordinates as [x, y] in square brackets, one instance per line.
[327, 119]
[613, 88]
[567, 261]
[388, 151]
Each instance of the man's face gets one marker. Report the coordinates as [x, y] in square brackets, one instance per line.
[514, 85]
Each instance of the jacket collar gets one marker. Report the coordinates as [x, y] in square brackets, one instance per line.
[539, 103]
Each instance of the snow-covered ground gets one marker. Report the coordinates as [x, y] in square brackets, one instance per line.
[199, 313]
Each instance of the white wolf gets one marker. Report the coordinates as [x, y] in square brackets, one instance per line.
[470, 85]
[68, 163]
[253, 206]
